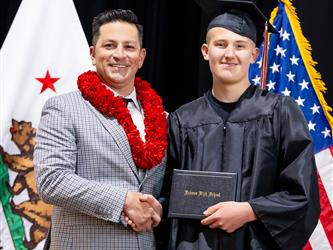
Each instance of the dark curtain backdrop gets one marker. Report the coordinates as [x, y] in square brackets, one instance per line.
[173, 34]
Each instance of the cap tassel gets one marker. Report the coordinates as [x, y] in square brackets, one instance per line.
[264, 58]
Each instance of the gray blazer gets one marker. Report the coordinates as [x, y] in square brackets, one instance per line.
[84, 167]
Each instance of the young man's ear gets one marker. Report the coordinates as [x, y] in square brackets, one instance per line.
[255, 54]
[204, 51]
[92, 55]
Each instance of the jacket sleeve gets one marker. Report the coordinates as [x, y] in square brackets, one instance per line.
[291, 213]
[55, 168]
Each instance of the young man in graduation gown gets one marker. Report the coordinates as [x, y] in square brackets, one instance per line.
[239, 128]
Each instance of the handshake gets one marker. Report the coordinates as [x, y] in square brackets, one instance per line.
[142, 211]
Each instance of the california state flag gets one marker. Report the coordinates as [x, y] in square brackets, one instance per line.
[44, 52]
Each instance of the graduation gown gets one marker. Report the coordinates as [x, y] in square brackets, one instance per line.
[267, 143]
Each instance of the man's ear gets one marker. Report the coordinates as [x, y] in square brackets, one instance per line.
[92, 55]
[204, 51]
[142, 56]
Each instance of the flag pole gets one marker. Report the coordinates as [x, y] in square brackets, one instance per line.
[264, 58]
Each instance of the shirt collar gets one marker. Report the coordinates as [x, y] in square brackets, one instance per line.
[131, 96]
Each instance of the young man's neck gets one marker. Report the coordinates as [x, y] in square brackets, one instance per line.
[229, 92]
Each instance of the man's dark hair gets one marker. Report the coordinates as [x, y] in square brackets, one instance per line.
[115, 15]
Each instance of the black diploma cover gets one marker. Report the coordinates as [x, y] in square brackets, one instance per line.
[192, 192]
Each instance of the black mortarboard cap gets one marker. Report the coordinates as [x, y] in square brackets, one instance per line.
[241, 17]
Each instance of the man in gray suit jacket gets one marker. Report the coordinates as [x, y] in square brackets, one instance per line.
[101, 158]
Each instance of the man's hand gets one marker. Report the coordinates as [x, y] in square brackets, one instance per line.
[228, 216]
[142, 215]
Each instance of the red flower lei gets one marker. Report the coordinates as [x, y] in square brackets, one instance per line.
[145, 155]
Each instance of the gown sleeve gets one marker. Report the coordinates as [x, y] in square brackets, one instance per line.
[162, 232]
[291, 213]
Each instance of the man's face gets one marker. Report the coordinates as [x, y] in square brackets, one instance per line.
[117, 54]
[229, 55]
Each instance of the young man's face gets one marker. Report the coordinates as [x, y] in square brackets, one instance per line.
[229, 55]
[117, 54]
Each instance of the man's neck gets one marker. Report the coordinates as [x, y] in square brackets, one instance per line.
[229, 93]
[125, 91]
[121, 89]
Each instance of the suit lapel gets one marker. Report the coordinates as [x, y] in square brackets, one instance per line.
[118, 135]
[152, 171]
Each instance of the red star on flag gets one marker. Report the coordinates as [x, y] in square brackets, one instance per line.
[47, 82]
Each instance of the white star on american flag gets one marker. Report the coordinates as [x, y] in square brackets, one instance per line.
[315, 109]
[290, 76]
[326, 132]
[259, 63]
[304, 84]
[294, 60]
[271, 85]
[300, 101]
[280, 50]
[311, 126]
[285, 35]
[286, 92]
[256, 80]
[274, 67]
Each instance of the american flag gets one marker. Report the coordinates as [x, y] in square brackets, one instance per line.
[291, 72]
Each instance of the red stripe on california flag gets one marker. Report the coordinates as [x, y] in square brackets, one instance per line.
[326, 214]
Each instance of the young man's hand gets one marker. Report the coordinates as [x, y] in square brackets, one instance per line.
[228, 216]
